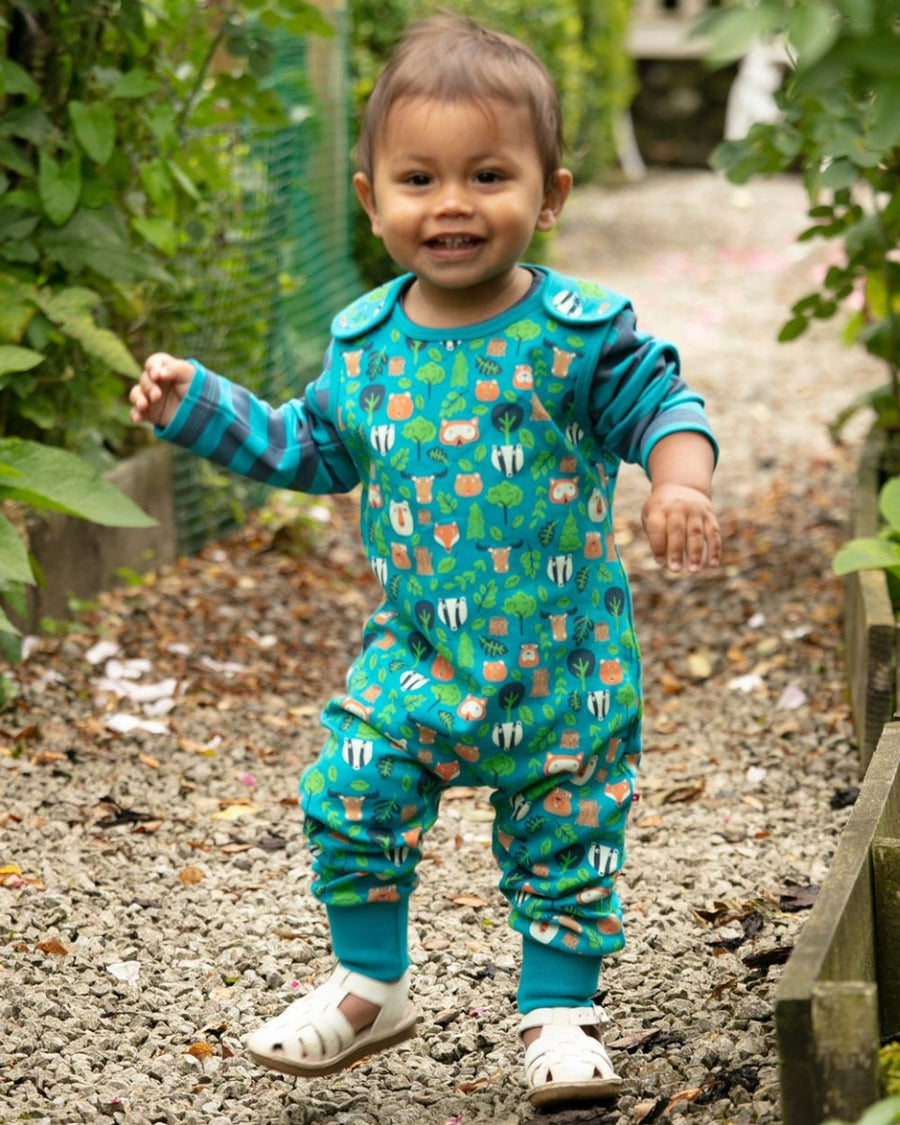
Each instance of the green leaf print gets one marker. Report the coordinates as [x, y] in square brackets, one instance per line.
[359, 786]
[448, 694]
[486, 597]
[531, 562]
[487, 366]
[459, 373]
[547, 534]
[492, 647]
[313, 782]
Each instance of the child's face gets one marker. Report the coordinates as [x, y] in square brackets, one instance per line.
[456, 194]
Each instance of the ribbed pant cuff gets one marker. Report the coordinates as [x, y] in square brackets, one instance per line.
[371, 939]
[554, 978]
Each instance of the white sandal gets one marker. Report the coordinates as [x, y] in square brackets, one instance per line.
[564, 1064]
[313, 1037]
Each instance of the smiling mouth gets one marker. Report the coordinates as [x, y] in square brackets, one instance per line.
[454, 242]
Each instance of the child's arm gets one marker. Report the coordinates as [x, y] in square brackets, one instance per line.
[159, 392]
[678, 516]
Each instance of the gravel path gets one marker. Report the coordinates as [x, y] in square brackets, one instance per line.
[153, 886]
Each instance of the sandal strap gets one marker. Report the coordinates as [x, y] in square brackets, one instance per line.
[592, 1016]
[563, 1054]
[314, 1028]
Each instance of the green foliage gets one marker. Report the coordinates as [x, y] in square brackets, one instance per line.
[55, 480]
[881, 551]
[841, 126]
[889, 1069]
[102, 173]
[582, 42]
[885, 1112]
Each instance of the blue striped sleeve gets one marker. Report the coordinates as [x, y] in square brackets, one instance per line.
[296, 446]
[637, 395]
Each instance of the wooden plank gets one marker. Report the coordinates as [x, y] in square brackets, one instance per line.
[870, 635]
[845, 1030]
[837, 942]
[886, 870]
[870, 631]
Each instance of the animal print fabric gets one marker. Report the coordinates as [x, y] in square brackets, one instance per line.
[504, 652]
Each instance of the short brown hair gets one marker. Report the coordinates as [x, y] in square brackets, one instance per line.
[452, 58]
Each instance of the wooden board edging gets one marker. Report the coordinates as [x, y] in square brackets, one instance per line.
[838, 946]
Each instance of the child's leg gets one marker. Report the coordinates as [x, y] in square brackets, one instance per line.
[559, 850]
[367, 806]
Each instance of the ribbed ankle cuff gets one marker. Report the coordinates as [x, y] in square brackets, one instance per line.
[372, 938]
[552, 978]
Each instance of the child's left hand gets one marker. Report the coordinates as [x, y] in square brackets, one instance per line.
[681, 527]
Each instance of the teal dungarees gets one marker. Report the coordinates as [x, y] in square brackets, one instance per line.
[503, 653]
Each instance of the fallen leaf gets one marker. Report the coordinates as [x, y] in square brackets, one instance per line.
[638, 1040]
[467, 900]
[151, 763]
[682, 794]
[793, 898]
[52, 946]
[201, 1050]
[766, 957]
[471, 1087]
[234, 812]
[690, 1095]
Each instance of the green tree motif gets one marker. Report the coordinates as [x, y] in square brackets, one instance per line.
[570, 537]
[431, 374]
[524, 330]
[419, 430]
[475, 525]
[505, 495]
[459, 373]
[465, 653]
[520, 605]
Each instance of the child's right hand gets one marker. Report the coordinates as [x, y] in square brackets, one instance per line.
[158, 393]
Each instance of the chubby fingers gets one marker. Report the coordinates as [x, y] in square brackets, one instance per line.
[684, 532]
[161, 373]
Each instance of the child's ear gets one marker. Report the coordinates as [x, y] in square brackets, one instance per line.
[555, 196]
[366, 195]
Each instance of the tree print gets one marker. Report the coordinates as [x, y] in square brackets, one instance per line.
[520, 605]
[505, 495]
[419, 430]
[431, 374]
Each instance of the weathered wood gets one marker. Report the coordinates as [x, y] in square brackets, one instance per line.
[837, 945]
[870, 631]
[870, 637]
[886, 870]
[845, 1030]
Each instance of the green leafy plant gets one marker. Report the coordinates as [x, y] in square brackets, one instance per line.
[40, 477]
[840, 126]
[881, 551]
[886, 1112]
[103, 167]
[889, 1067]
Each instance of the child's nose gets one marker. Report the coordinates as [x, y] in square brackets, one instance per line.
[453, 200]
